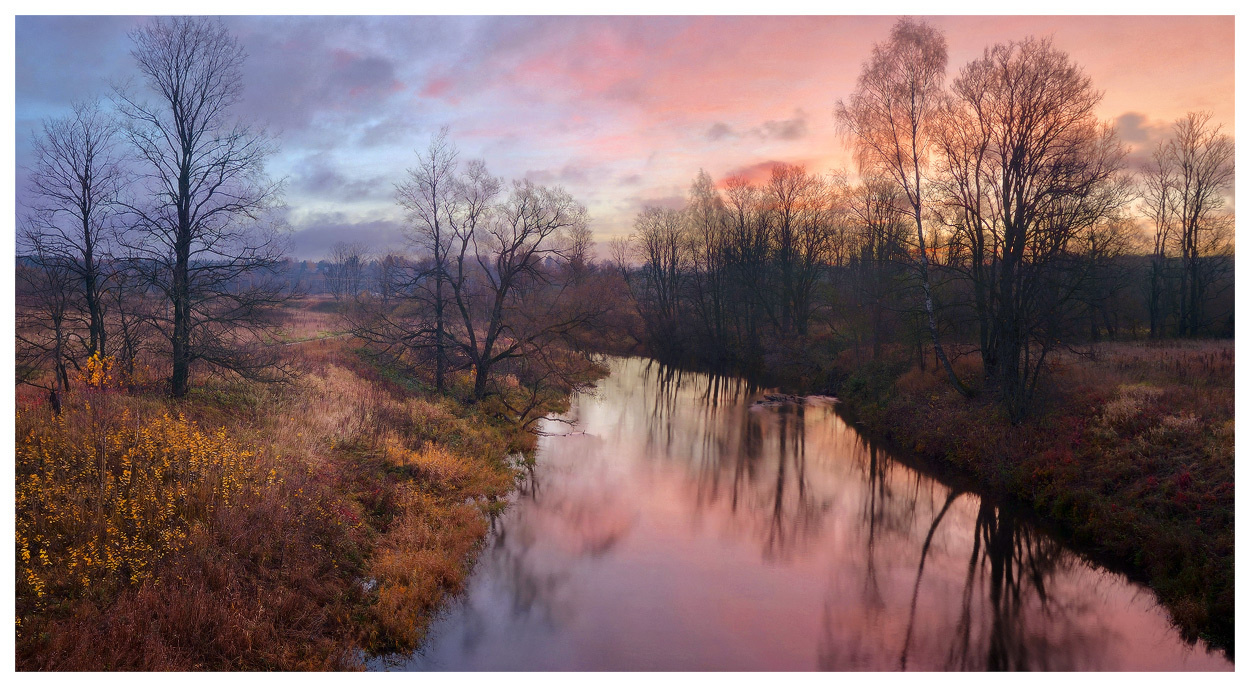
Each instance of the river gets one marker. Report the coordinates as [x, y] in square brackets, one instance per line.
[672, 522]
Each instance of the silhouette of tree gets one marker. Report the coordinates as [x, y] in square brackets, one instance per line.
[1026, 167]
[346, 270]
[76, 181]
[428, 197]
[1185, 190]
[47, 291]
[507, 316]
[201, 200]
[890, 119]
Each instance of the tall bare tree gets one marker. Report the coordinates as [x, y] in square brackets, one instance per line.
[749, 244]
[76, 181]
[506, 315]
[879, 220]
[1158, 200]
[659, 242]
[708, 234]
[890, 119]
[507, 274]
[428, 197]
[202, 199]
[806, 213]
[1026, 168]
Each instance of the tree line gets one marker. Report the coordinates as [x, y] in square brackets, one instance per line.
[994, 215]
[995, 211]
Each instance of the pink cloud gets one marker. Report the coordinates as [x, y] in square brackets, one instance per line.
[437, 87]
[640, 104]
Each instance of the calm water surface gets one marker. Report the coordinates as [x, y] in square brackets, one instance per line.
[678, 525]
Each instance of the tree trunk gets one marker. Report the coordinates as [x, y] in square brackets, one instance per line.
[181, 343]
[928, 309]
[95, 314]
[181, 339]
[440, 344]
[1156, 298]
[482, 369]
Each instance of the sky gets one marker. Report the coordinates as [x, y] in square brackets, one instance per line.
[621, 111]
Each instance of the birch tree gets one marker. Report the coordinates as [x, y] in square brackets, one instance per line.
[889, 119]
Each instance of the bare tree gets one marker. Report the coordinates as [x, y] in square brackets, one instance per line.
[47, 291]
[620, 250]
[505, 316]
[132, 313]
[76, 181]
[1103, 245]
[660, 247]
[880, 221]
[198, 222]
[581, 243]
[1158, 200]
[511, 298]
[346, 270]
[890, 119]
[1026, 168]
[707, 221]
[786, 196]
[805, 211]
[393, 276]
[750, 243]
[1191, 172]
[428, 197]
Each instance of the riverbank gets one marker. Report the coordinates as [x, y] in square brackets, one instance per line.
[687, 522]
[251, 527]
[1130, 454]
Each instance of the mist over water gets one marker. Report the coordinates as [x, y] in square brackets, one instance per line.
[677, 524]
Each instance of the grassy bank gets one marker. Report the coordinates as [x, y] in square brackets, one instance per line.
[1130, 453]
[250, 526]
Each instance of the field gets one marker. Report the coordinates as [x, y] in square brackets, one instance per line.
[249, 526]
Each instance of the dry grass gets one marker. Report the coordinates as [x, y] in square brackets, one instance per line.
[311, 318]
[420, 560]
[148, 541]
[412, 463]
[308, 520]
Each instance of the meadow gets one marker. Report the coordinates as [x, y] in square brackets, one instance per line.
[293, 526]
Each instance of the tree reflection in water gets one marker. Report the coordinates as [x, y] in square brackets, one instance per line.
[1019, 563]
[1006, 619]
[684, 524]
[706, 420]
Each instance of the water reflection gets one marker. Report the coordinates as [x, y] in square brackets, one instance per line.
[1005, 587]
[690, 523]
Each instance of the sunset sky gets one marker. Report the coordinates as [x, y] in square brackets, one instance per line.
[622, 111]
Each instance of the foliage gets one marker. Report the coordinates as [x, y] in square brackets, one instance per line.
[102, 500]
